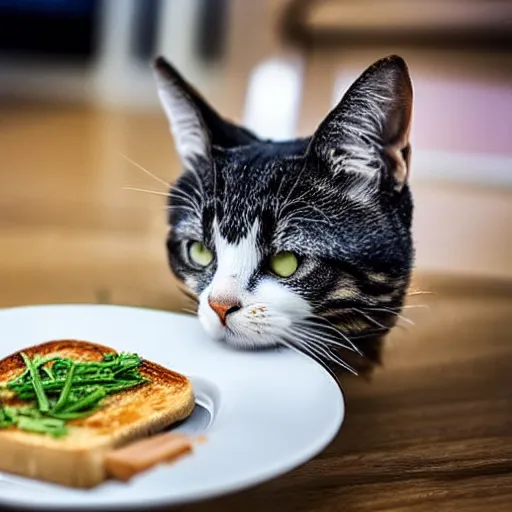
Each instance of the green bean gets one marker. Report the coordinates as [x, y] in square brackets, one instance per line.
[42, 399]
[64, 394]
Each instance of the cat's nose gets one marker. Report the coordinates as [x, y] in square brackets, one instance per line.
[223, 308]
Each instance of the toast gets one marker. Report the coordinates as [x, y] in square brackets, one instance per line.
[77, 460]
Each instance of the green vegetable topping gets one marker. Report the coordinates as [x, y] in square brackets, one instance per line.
[58, 390]
[42, 399]
[64, 394]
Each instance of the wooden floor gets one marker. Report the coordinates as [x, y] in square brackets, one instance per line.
[431, 431]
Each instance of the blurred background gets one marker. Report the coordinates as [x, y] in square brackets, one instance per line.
[78, 104]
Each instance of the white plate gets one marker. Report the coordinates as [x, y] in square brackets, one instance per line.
[263, 413]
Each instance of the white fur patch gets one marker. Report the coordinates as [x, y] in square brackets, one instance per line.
[266, 313]
[235, 263]
[186, 128]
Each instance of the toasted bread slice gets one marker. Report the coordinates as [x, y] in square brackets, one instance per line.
[77, 460]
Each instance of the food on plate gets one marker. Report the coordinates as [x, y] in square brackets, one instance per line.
[129, 460]
[65, 406]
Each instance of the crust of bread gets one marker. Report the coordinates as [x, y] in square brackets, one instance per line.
[77, 460]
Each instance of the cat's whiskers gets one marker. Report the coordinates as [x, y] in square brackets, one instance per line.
[294, 339]
[318, 330]
[371, 333]
[293, 342]
[191, 301]
[198, 194]
[307, 346]
[144, 170]
[170, 208]
[189, 201]
[303, 351]
[323, 339]
[332, 357]
[187, 198]
[412, 306]
[147, 191]
[190, 208]
[304, 348]
[419, 292]
[190, 167]
[322, 323]
[188, 294]
[311, 344]
[370, 318]
[391, 312]
[186, 207]
[174, 191]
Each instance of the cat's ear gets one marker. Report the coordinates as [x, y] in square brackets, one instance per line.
[195, 126]
[369, 129]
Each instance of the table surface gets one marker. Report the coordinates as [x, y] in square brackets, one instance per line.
[432, 430]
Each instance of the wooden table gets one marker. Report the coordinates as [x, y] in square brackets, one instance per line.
[431, 431]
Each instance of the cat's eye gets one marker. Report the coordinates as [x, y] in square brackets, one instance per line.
[199, 254]
[284, 264]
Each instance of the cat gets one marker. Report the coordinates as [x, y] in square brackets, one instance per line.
[303, 243]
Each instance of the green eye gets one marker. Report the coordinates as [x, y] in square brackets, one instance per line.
[199, 254]
[284, 264]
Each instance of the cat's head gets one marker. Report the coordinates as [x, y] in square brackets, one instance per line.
[272, 237]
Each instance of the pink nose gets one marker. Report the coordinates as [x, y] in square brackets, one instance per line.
[223, 308]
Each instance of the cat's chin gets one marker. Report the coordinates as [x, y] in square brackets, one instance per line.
[245, 345]
[214, 329]
[234, 337]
